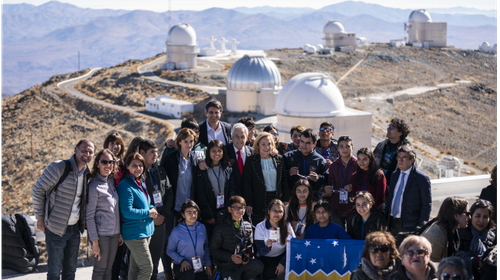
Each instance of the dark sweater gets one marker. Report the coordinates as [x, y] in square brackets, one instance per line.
[331, 231]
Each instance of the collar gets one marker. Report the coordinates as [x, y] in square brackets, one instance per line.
[219, 127]
[236, 150]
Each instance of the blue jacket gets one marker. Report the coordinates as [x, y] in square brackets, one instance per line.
[134, 207]
[331, 231]
[181, 247]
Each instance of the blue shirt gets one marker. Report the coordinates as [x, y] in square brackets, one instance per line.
[269, 172]
[181, 247]
[331, 231]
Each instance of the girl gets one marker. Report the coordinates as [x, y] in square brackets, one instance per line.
[270, 240]
[324, 228]
[367, 220]
[368, 177]
[188, 245]
[299, 211]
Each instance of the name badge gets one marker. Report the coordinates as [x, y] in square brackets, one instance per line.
[197, 266]
[343, 197]
[274, 235]
[157, 199]
[299, 230]
[220, 201]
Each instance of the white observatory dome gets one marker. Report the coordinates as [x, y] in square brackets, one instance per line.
[253, 73]
[181, 35]
[420, 16]
[333, 26]
[310, 95]
[319, 47]
[485, 44]
[311, 49]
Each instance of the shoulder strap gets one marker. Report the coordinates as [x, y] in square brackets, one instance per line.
[67, 169]
[425, 226]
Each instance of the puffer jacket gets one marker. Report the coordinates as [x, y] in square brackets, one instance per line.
[332, 150]
[56, 210]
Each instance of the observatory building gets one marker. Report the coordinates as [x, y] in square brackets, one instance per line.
[335, 37]
[485, 47]
[253, 84]
[423, 32]
[181, 47]
[165, 105]
[309, 99]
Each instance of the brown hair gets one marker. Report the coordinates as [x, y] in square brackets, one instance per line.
[401, 126]
[128, 160]
[282, 222]
[449, 208]
[132, 147]
[188, 204]
[113, 137]
[256, 143]
[183, 134]
[298, 128]
[292, 214]
[224, 161]
[97, 158]
[377, 238]
[236, 199]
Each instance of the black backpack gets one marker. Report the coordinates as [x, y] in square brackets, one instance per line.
[19, 246]
[418, 231]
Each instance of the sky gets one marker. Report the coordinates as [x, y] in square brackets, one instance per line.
[162, 5]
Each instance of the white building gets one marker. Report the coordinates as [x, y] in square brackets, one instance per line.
[253, 84]
[181, 47]
[165, 105]
[362, 41]
[423, 32]
[397, 43]
[335, 37]
[485, 47]
[309, 99]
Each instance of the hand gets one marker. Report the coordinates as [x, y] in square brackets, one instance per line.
[185, 266]
[159, 220]
[120, 240]
[40, 224]
[208, 271]
[328, 190]
[170, 143]
[294, 224]
[249, 210]
[269, 243]
[211, 221]
[96, 250]
[236, 259]
[348, 187]
[328, 161]
[279, 269]
[202, 165]
[313, 176]
[153, 213]
[294, 171]
[243, 263]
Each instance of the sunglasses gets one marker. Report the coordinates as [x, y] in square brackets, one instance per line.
[276, 134]
[325, 128]
[391, 127]
[483, 201]
[446, 276]
[418, 253]
[381, 248]
[106, 162]
[342, 138]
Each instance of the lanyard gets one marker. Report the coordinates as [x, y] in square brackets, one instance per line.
[244, 230]
[139, 184]
[196, 238]
[363, 186]
[153, 178]
[346, 175]
[217, 177]
[305, 214]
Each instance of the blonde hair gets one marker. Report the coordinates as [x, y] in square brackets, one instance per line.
[415, 239]
[259, 138]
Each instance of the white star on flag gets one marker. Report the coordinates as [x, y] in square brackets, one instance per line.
[335, 243]
[312, 261]
[318, 247]
[308, 243]
[299, 256]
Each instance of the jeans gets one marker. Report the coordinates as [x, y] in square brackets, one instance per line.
[62, 253]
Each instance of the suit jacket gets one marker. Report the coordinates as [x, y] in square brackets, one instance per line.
[254, 189]
[417, 199]
[226, 131]
[238, 179]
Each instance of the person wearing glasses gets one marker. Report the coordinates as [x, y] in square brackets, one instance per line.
[265, 178]
[479, 239]
[416, 263]
[270, 239]
[327, 146]
[368, 177]
[443, 234]
[453, 268]
[385, 152]
[380, 258]
[103, 214]
[231, 246]
[368, 219]
[408, 199]
[280, 146]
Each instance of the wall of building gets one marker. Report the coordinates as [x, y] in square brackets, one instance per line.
[432, 32]
[165, 107]
[184, 57]
[241, 100]
[335, 40]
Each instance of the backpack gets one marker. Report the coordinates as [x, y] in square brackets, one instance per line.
[67, 169]
[19, 246]
[418, 231]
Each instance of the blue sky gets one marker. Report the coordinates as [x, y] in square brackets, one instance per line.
[162, 5]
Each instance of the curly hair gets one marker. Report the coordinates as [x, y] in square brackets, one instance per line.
[401, 126]
[378, 238]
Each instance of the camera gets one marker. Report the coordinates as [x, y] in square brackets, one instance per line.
[242, 253]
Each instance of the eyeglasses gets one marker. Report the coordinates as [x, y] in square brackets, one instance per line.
[238, 208]
[325, 128]
[342, 138]
[483, 201]
[381, 248]
[446, 276]
[106, 162]
[418, 253]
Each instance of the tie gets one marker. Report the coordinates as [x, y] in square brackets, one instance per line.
[398, 196]
[240, 162]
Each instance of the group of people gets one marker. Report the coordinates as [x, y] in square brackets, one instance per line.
[225, 197]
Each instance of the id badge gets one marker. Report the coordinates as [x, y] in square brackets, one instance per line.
[157, 199]
[197, 266]
[220, 201]
[299, 229]
[274, 235]
[343, 197]
[312, 168]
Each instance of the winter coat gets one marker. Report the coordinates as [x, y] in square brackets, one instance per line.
[311, 161]
[205, 193]
[159, 175]
[338, 177]
[401, 273]
[181, 244]
[19, 246]
[366, 271]
[357, 230]
[332, 150]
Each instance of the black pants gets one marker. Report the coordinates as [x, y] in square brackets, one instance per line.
[156, 247]
[170, 223]
[395, 225]
[119, 262]
[189, 275]
[245, 272]
[270, 264]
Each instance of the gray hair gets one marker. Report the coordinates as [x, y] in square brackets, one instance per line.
[456, 262]
[239, 125]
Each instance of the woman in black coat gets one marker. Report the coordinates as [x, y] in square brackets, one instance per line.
[264, 177]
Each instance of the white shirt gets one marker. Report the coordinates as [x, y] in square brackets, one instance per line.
[262, 233]
[75, 210]
[407, 172]
[215, 134]
[243, 154]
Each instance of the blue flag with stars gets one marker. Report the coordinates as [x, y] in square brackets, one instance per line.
[322, 258]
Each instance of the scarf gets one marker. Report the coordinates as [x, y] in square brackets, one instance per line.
[373, 273]
[477, 242]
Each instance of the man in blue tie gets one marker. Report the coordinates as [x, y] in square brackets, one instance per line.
[409, 197]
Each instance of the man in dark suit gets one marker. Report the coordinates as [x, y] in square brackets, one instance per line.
[409, 197]
[238, 152]
[212, 128]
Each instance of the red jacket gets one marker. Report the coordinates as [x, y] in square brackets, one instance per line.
[340, 176]
[377, 190]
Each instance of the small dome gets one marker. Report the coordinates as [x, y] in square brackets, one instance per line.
[334, 26]
[420, 16]
[310, 95]
[253, 73]
[319, 47]
[311, 49]
[181, 35]
[485, 44]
